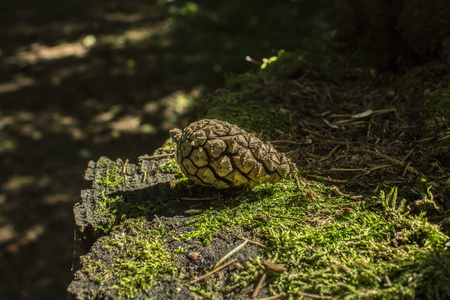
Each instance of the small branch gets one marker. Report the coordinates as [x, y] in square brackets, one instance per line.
[273, 297]
[252, 242]
[193, 211]
[346, 170]
[328, 178]
[213, 271]
[258, 286]
[273, 266]
[125, 166]
[425, 140]
[199, 199]
[336, 190]
[406, 169]
[155, 156]
[312, 296]
[392, 160]
[329, 154]
[445, 137]
[384, 111]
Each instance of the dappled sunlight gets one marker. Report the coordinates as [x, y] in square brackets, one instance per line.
[136, 35]
[15, 183]
[31, 235]
[42, 53]
[12, 86]
[7, 233]
[176, 104]
[127, 124]
[40, 125]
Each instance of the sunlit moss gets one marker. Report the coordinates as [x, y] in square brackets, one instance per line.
[332, 246]
[168, 147]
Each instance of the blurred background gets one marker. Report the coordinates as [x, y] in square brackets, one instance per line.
[80, 79]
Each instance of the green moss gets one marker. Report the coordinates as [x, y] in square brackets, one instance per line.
[113, 177]
[140, 259]
[169, 147]
[240, 109]
[172, 167]
[94, 269]
[116, 210]
[334, 246]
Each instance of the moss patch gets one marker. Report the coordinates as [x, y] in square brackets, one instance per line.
[140, 259]
[330, 245]
[113, 176]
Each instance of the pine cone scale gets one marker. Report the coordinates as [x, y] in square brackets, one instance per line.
[218, 154]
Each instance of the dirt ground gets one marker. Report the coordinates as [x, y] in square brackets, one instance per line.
[80, 80]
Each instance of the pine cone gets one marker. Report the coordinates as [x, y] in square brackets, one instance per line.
[218, 154]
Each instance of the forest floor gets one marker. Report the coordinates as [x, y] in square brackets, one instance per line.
[367, 216]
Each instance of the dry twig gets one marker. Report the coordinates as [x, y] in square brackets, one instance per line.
[272, 297]
[286, 142]
[193, 211]
[392, 160]
[125, 166]
[336, 190]
[329, 154]
[252, 242]
[213, 271]
[199, 199]
[258, 286]
[312, 296]
[346, 170]
[155, 156]
[328, 178]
